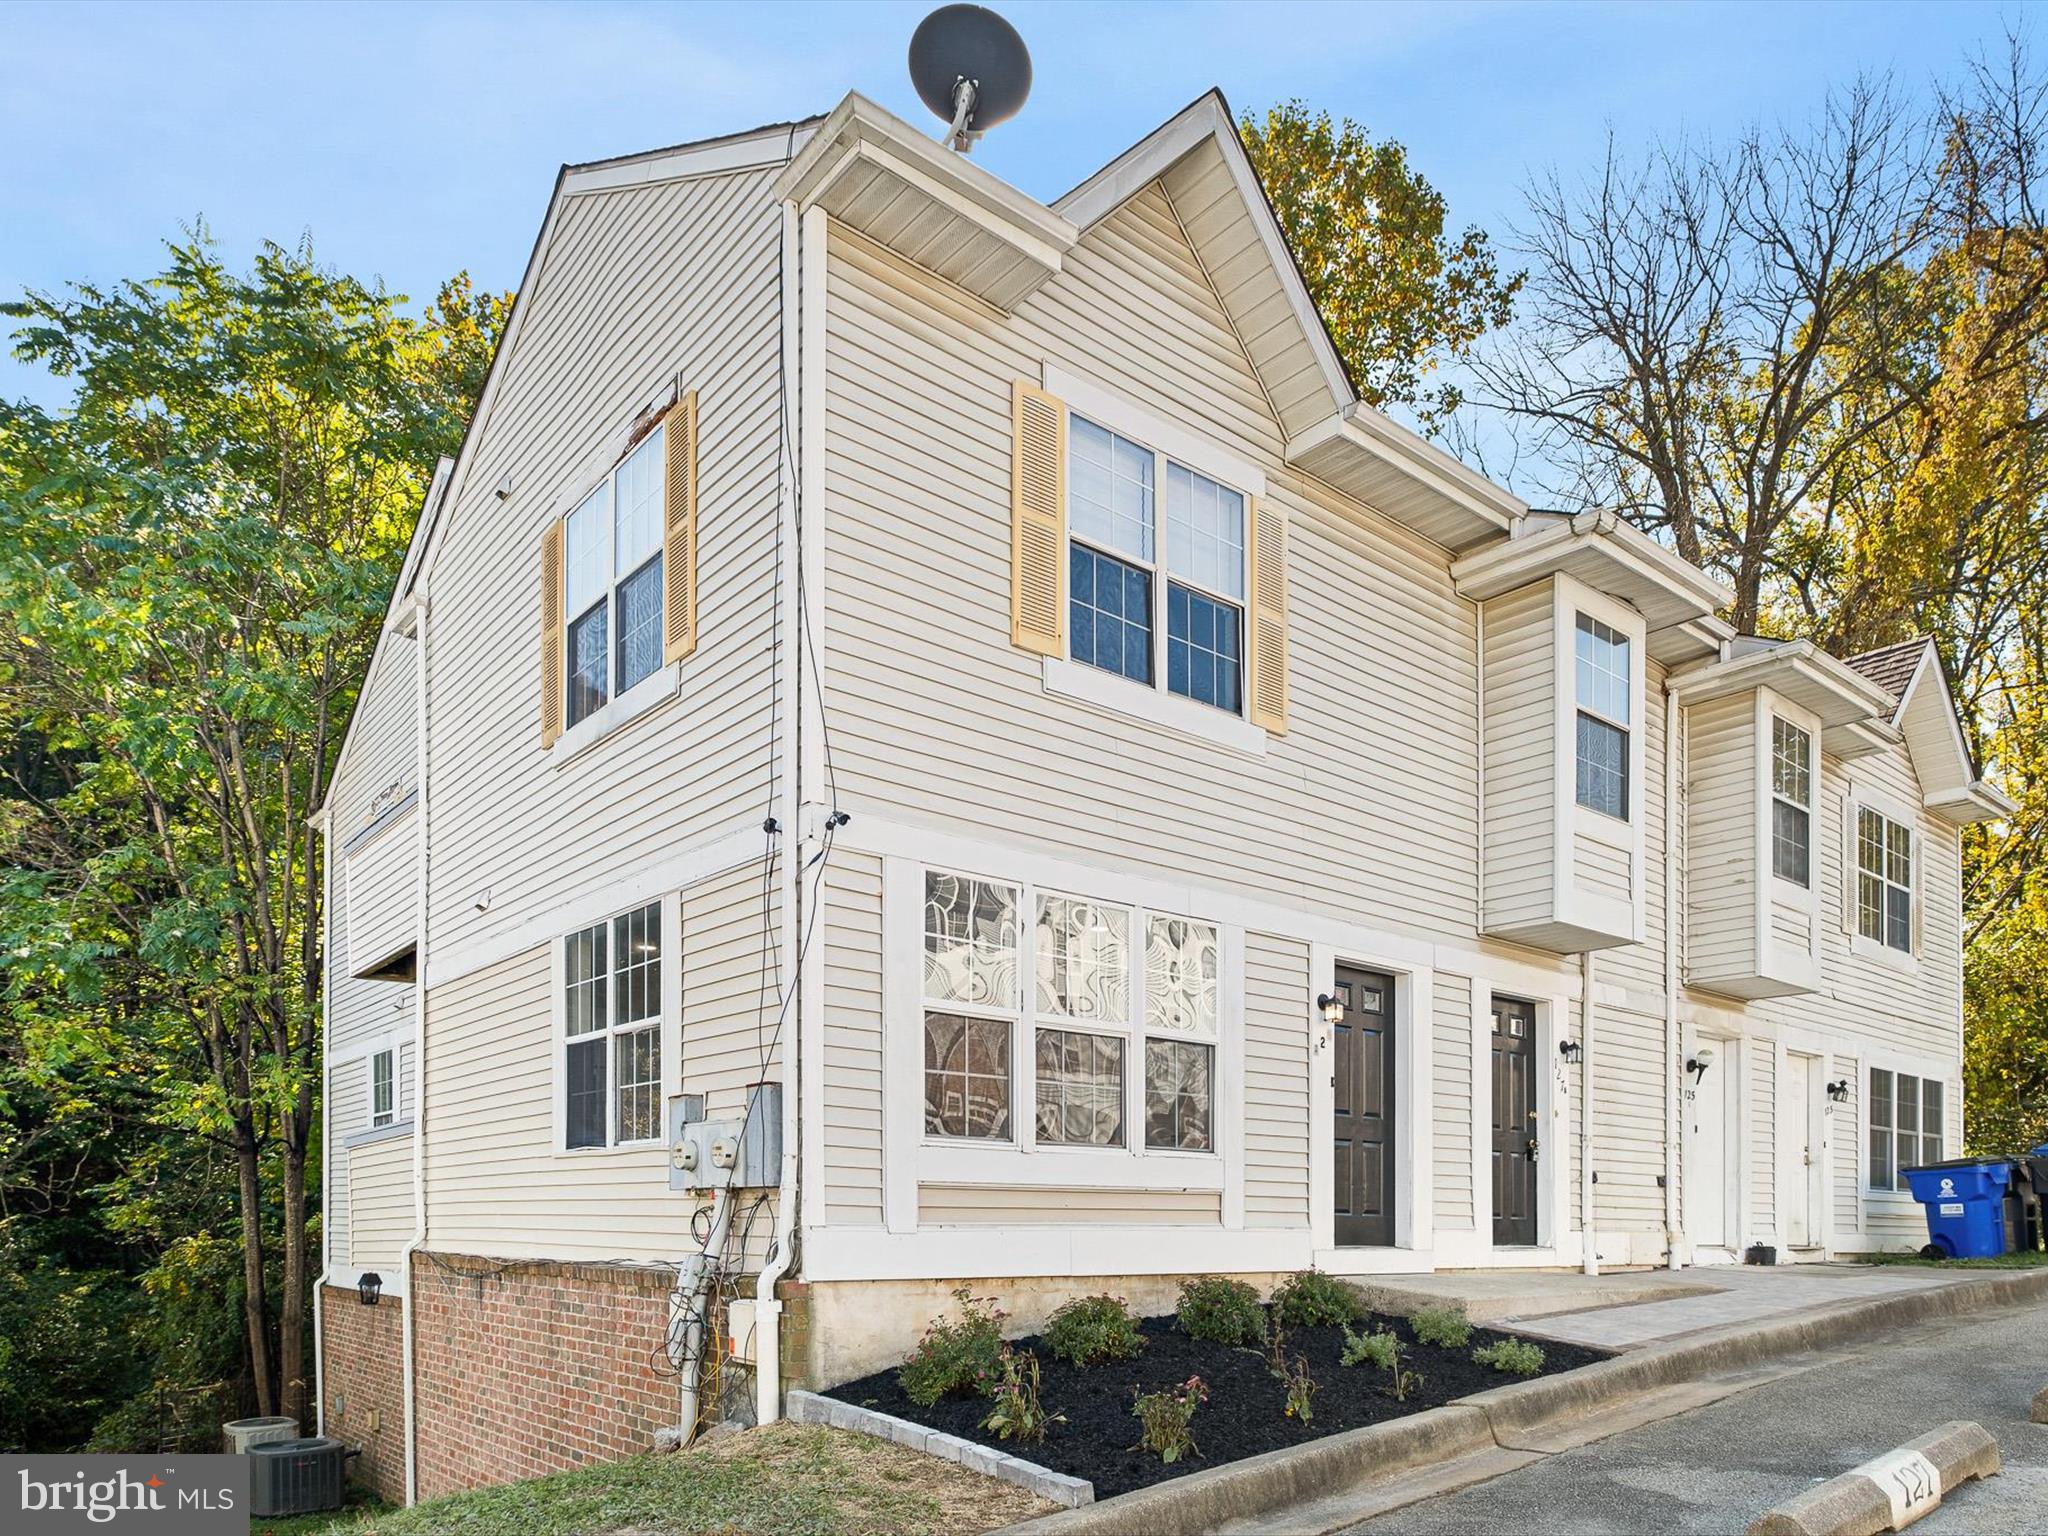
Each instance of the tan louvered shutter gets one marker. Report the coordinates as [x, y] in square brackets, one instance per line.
[679, 530]
[1267, 621]
[1038, 520]
[551, 678]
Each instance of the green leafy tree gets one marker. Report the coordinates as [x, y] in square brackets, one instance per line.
[194, 559]
[1402, 299]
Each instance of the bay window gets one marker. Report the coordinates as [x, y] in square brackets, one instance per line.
[1603, 691]
[612, 582]
[1121, 554]
[1093, 1014]
[611, 1024]
[1791, 802]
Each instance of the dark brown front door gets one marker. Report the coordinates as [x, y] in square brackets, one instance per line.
[1363, 1051]
[1514, 1122]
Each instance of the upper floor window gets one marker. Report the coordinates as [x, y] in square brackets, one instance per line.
[383, 1090]
[612, 581]
[1603, 690]
[1905, 1125]
[1884, 880]
[1791, 802]
[611, 1015]
[1120, 554]
[1097, 985]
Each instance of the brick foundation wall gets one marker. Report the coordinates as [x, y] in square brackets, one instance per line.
[363, 1385]
[531, 1367]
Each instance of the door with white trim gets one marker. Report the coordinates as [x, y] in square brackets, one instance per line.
[1800, 1155]
[1709, 1214]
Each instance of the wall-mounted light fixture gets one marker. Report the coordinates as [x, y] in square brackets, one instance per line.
[1839, 1090]
[369, 1287]
[1570, 1050]
[1699, 1061]
[1331, 1007]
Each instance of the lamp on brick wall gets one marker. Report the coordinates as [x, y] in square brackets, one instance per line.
[369, 1287]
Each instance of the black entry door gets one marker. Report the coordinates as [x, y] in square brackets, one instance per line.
[1514, 1122]
[1363, 1048]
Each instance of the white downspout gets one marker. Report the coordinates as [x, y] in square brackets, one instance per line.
[1590, 1243]
[1674, 1221]
[803, 287]
[326, 826]
[421, 763]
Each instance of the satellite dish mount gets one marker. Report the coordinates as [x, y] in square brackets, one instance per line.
[971, 68]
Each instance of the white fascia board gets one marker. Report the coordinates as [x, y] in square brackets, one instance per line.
[1359, 428]
[714, 157]
[1638, 565]
[1836, 694]
[1205, 119]
[856, 121]
[1978, 802]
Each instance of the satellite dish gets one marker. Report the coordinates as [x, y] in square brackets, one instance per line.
[971, 68]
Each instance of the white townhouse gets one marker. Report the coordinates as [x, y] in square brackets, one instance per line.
[977, 667]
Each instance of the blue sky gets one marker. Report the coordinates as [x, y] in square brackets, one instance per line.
[414, 140]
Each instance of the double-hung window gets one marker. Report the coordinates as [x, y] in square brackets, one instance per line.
[1604, 696]
[1098, 991]
[1121, 553]
[612, 592]
[1906, 1125]
[1791, 802]
[1884, 880]
[611, 1016]
[383, 1090]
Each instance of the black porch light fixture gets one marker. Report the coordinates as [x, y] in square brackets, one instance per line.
[1570, 1050]
[1839, 1090]
[1331, 1007]
[1699, 1061]
[369, 1287]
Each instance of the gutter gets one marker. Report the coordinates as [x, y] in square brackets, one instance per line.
[410, 1385]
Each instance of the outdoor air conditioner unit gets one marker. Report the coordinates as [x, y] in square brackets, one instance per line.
[296, 1477]
[239, 1435]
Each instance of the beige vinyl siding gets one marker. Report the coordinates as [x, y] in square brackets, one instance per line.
[730, 933]
[1601, 869]
[1763, 1139]
[994, 1205]
[357, 1009]
[1520, 732]
[1276, 1045]
[1451, 1102]
[639, 287]
[383, 742]
[939, 720]
[1721, 857]
[1843, 1125]
[380, 1204]
[347, 1111]
[383, 894]
[1790, 929]
[852, 1171]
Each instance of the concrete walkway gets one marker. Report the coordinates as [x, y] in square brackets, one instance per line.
[1629, 1310]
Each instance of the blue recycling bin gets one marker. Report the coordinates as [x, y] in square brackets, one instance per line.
[1965, 1204]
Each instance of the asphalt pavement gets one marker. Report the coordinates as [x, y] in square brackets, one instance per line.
[1714, 1469]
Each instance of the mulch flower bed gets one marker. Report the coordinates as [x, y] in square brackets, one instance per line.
[1243, 1415]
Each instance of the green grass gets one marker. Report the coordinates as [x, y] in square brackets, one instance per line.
[2034, 1260]
[786, 1480]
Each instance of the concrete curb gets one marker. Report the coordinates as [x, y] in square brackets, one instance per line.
[1501, 1417]
[2040, 1411]
[1887, 1493]
[810, 1408]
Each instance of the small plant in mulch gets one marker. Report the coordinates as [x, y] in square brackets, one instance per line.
[956, 1356]
[1445, 1326]
[1514, 1357]
[1312, 1299]
[1382, 1349]
[1016, 1411]
[1221, 1311]
[1301, 1390]
[1165, 1419]
[1092, 1329]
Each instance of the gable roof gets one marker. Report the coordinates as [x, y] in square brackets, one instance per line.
[1891, 667]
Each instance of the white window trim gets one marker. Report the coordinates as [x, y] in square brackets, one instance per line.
[653, 690]
[1948, 1074]
[913, 1157]
[1572, 821]
[378, 1119]
[1893, 809]
[1767, 742]
[667, 1021]
[607, 479]
[1803, 968]
[1168, 443]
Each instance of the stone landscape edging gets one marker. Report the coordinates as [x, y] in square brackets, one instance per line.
[1200, 1501]
[812, 1408]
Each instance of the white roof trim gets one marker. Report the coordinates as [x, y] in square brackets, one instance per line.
[1452, 478]
[1979, 801]
[1538, 548]
[1838, 694]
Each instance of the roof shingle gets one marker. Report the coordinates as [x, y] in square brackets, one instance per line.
[1891, 667]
